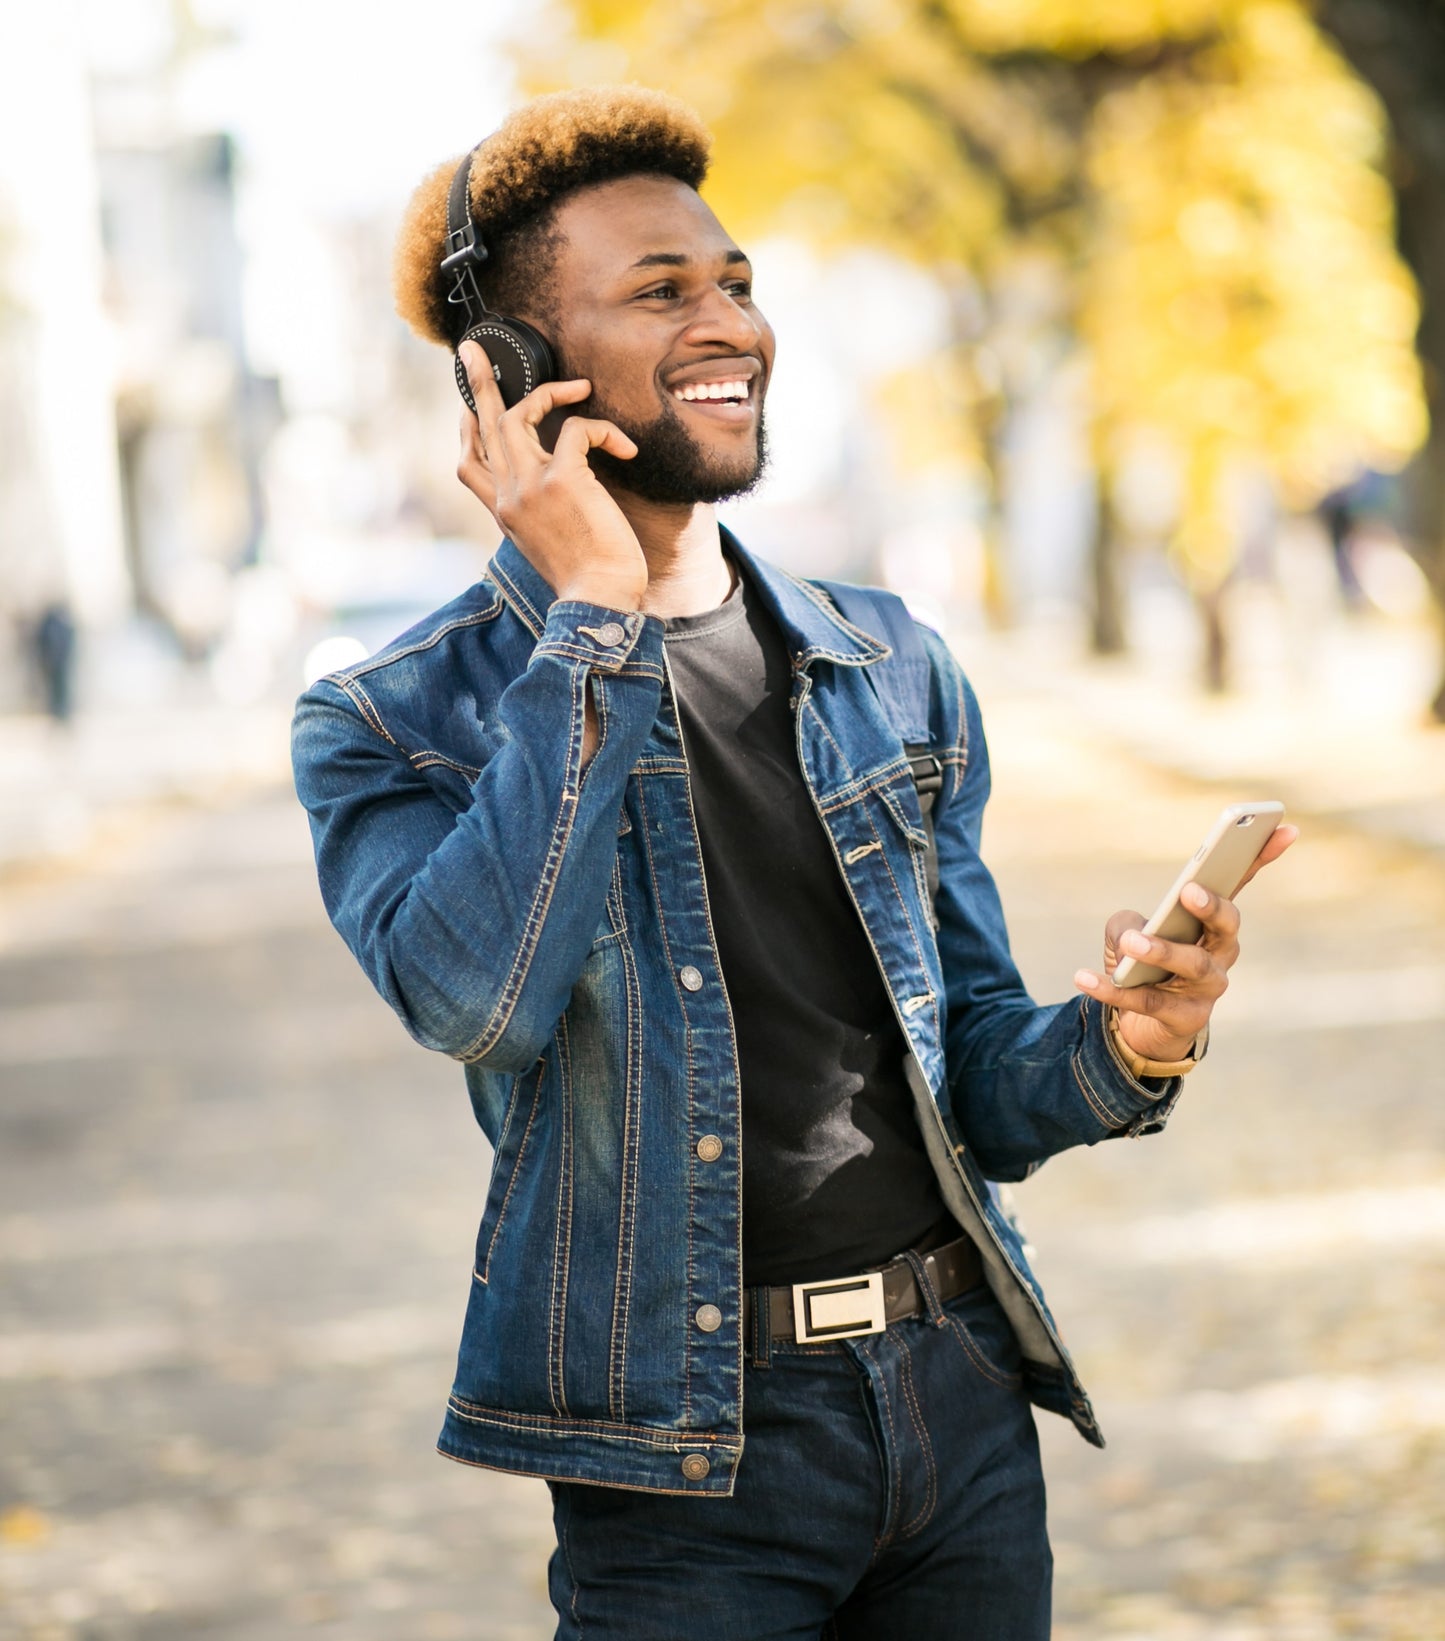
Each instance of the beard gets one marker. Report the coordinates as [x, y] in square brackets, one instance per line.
[670, 466]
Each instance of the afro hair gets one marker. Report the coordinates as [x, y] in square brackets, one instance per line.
[545, 150]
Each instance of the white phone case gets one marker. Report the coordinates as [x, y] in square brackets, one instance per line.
[1220, 864]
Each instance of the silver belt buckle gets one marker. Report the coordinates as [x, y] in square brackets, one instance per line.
[841, 1309]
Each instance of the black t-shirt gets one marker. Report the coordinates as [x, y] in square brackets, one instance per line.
[835, 1176]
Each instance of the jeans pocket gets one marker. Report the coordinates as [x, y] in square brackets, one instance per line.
[986, 1337]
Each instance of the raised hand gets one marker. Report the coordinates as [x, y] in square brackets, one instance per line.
[550, 502]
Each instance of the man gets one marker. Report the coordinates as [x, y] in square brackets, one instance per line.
[626, 830]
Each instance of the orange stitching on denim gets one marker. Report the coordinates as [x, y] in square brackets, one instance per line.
[484, 1275]
[429, 758]
[377, 662]
[974, 1352]
[803, 702]
[363, 704]
[691, 1073]
[879, 1382]
[918, 840]
[631, 1156]
[1090, 1099]
[912, 934]
[687, 1056]
[551, 1475]
[530, 616]
[537, 912]
[930, 1499]
[896, 804]
[561, 1245]
[732, 1038]
[1097, 1104]
[861, 785]
[816, 596]
[962, 706]
[664, 1441]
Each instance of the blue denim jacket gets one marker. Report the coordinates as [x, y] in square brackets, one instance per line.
[547, 924]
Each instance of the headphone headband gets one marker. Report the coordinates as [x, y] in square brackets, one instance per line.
[465, 251]
[520, 357]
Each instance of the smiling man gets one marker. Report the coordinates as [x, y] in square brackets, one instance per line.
[630, 830]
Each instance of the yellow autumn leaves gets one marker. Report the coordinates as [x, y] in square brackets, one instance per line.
[1203, 178]
[1241, 293]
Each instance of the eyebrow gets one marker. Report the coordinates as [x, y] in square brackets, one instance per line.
[674, 259]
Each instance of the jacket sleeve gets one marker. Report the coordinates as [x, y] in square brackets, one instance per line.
[474, 926]
[1025, 1081]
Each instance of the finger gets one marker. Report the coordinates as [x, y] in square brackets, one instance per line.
[1280, 839]
[517, 427]
[1219, 916]
[1182, 1012]
[1195, 966]
[473, 446]
[583, 433]
[1117, 927]
[473, 468]
[478, 365]
[550, 396]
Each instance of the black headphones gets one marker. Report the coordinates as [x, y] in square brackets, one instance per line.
[521, 358]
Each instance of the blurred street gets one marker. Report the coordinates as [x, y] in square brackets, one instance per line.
[1112, 339]
[236, 1205]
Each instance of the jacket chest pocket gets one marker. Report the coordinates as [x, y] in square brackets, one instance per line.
[901, 817]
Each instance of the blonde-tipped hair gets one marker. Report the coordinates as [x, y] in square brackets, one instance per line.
[546, 149]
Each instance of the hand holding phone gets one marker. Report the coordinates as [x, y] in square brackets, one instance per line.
[1220, 864]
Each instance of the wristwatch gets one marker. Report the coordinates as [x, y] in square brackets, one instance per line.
[1137, 1066]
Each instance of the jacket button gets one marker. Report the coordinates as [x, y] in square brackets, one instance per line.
[691, 978]
[611, 634]
[708, 1318]
[709, 1148]
[695, 1467]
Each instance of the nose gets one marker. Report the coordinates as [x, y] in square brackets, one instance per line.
[718, 319]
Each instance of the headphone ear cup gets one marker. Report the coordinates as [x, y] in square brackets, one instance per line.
[521, 359]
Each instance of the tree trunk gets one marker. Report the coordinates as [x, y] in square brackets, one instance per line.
[1398, 48]
[1108, 626]
[1216, 659]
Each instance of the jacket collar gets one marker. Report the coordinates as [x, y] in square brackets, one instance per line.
[814, 630]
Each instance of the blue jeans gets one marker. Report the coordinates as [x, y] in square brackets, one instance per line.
[890, 1490]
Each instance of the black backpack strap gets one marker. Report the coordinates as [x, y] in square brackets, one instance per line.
[901, 683]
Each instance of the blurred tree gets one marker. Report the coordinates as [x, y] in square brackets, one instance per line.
[1240, 292]
[1398, 48]
[1200, 176]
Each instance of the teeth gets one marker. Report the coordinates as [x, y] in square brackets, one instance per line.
[711, 390]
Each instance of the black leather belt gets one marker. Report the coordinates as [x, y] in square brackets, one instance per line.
[811, 1313]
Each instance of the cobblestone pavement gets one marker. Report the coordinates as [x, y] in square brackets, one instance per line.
[236, 1206]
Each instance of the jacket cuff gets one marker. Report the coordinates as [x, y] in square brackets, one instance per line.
[624, 642]
[1124, 1103]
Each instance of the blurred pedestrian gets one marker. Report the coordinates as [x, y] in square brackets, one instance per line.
[53, 644]
[1346, 513]
[631, 830]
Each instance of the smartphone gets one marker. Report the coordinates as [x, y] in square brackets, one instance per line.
[1220, 864]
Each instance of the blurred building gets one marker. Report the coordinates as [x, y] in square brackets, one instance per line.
[61, 535]
[192, 416]
[132, 422]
